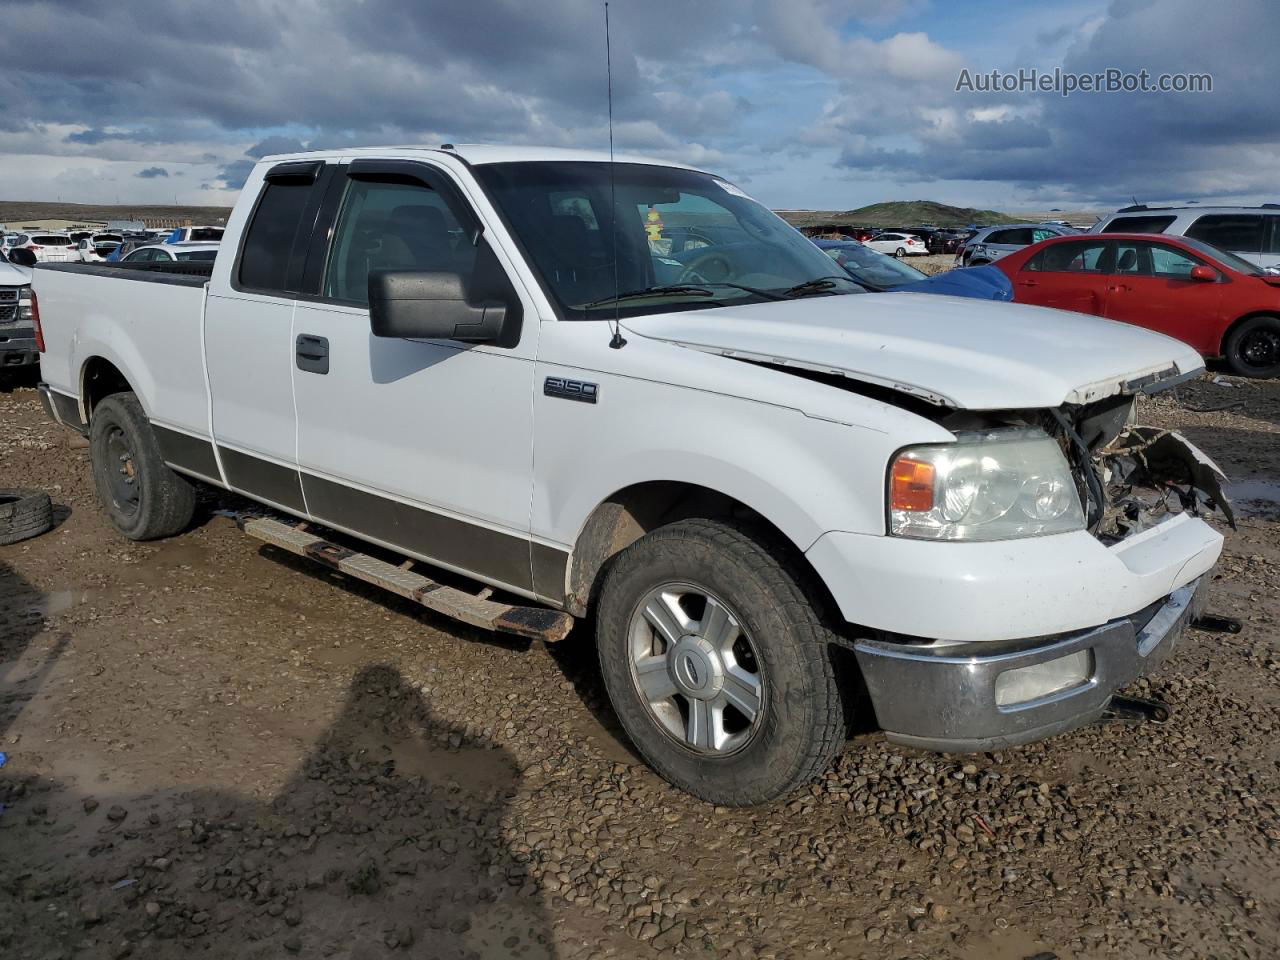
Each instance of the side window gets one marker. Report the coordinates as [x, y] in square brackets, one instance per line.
[1083, 256]
[1168, 262]
[1229, 231]
[1138, 225]
[268, 243]
[1133, 259]
[1038, 235]
[393, 225]
[141, 256]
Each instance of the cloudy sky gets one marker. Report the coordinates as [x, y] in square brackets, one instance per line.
[806, 103]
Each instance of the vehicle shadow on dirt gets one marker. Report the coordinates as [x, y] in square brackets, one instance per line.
[19, 378]
[389, 837]
[22, 614]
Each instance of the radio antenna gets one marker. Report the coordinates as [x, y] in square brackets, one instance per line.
[618, 341]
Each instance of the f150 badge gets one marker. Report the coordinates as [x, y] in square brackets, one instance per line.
[571, 389]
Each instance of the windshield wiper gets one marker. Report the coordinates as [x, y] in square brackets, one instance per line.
[675, 288]
[683, 289]
[816, 285]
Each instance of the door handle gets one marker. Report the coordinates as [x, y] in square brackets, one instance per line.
[1118, 288]
[1026, 283]
[311, 353]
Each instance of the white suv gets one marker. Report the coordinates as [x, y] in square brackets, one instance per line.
[1249, 232]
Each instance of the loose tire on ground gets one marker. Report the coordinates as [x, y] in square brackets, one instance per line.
[143, 497]
[24, 514]
[800, 722]
[1252, 348]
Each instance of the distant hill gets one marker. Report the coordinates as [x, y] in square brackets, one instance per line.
[899, 213]
[15, 211]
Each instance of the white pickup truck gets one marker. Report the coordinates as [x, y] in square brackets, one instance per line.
[627, 391]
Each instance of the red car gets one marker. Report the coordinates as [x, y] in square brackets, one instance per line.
[1220, 304]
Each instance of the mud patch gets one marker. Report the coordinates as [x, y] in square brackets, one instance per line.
[1257, 497]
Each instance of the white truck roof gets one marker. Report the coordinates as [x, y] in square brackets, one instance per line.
[481, 153]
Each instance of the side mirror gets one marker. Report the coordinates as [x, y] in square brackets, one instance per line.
[22, 257]
[1203, 273]
[430, 306]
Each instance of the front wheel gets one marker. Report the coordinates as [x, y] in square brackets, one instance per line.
[1253, 348]
[144, 498]
[718, 663]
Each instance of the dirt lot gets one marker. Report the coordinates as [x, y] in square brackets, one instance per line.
[214, 750]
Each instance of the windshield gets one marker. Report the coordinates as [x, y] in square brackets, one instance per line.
[685, 240]
[870, 267]
[1239, 264]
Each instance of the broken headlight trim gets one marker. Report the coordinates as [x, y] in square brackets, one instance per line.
[988, 485]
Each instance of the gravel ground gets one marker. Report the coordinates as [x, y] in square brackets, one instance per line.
[216, 750]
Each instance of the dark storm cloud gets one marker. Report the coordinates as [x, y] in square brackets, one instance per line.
[1116, 145]
[150, 173]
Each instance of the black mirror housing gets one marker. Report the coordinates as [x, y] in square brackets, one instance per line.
[22, 257]
[431, 305]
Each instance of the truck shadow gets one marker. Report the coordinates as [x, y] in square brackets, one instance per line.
[23, 609]
[390, 835]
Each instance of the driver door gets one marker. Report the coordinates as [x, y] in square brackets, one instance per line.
[423, 445]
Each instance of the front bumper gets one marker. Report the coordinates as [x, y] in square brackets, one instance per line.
[943, 697]
[18, 346]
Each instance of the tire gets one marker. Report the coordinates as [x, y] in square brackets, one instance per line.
[799, 723]
[900, 253]
[143, 497]
[24, 514]
[1252, 348]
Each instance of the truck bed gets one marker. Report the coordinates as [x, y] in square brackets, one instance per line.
[90, 311]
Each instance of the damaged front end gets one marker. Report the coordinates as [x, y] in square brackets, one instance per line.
[1129, 477]
[1148, 474]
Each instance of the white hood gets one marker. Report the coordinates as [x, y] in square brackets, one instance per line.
[963, 353]
[12, 275]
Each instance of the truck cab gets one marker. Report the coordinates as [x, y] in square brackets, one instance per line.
[623, 388]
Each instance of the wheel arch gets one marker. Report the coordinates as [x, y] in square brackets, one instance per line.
[99, 378]
[1238, 322]
[628, 514]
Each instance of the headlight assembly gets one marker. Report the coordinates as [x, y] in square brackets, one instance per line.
[993, 485]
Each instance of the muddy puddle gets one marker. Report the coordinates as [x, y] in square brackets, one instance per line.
[1255, 497]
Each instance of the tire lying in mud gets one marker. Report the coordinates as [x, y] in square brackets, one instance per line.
[24, 514]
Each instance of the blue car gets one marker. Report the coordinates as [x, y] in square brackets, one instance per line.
[884, 274]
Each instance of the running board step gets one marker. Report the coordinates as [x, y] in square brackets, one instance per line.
[535, 623]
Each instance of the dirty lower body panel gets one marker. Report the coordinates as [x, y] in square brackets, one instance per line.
[963, 698]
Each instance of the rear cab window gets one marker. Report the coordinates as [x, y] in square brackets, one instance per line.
[266, 252]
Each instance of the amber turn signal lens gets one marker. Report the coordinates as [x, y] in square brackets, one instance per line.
[911, 485]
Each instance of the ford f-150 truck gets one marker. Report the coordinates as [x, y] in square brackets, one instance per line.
[624, 390]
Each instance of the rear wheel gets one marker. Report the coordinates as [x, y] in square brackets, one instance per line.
[718, 663]
[900, 252]
[144, 498]
[1252, 348]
